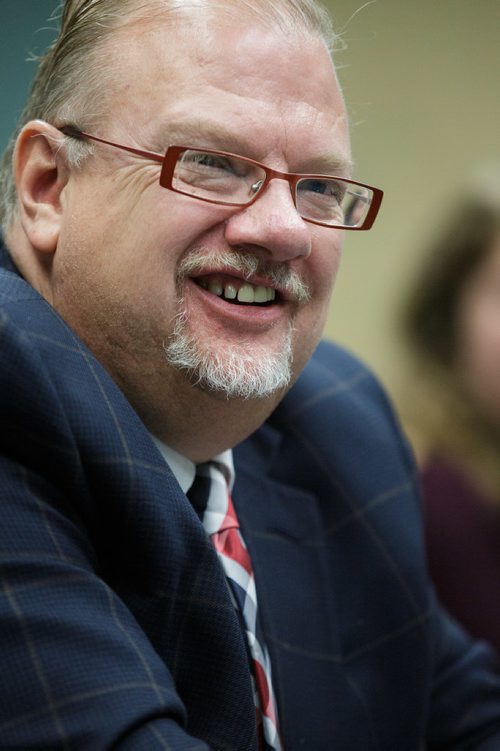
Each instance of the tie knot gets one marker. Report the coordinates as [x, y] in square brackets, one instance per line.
[219, 513]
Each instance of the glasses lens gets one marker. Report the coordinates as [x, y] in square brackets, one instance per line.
[333, 202]
[217, 177]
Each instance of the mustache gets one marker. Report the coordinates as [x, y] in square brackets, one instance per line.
[278, 275]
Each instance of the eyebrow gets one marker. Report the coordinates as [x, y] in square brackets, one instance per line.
[217, 136]
[331, 164]
[200, 133]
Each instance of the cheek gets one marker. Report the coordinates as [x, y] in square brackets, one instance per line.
[481, 330]
[323, 266]
[480, 354]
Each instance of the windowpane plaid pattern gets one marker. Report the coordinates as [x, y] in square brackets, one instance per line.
[212, 500]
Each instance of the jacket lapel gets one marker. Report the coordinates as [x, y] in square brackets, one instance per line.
[284, 532]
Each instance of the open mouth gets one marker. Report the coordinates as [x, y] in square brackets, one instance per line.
[237, 291]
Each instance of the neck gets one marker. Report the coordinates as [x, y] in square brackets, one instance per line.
[209, 425]
[32, 265]
[200, 425]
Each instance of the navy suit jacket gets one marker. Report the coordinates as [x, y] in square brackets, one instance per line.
[116, 628]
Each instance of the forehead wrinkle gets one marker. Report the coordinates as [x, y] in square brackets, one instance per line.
[263, 116]
[199, 133]
[331, 161]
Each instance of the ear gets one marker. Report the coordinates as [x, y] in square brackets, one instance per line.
[41, 174]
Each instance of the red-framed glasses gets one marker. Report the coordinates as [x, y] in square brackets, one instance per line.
[221, 177]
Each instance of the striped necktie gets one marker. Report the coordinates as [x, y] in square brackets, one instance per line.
[211, 497]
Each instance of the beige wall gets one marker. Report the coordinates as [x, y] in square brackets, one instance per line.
[422, 81]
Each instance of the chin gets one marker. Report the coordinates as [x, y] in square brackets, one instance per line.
[244, 370]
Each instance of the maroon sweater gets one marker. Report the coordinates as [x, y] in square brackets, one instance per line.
[463, 539]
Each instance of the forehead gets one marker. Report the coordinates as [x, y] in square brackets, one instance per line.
[272, 87]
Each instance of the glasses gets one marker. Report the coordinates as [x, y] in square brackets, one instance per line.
[228, 179]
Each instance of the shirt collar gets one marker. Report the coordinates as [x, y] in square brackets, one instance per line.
[184, 469]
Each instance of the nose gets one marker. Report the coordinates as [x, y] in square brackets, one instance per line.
[271, 223]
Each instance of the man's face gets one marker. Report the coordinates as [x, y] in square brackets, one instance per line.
[139, 268]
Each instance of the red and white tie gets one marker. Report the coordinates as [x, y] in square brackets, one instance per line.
[221, 523]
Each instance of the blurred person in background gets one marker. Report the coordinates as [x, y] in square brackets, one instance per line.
[452, 405]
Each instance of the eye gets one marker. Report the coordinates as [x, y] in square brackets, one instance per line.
[216, 176]
[319, 189]
[207, 160]
[317, 186]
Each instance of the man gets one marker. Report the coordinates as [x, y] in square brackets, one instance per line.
[171, 243]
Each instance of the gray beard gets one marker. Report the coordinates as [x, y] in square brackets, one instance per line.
[238, 371]
[242, 370]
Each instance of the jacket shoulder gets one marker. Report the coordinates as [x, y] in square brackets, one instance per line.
[336, 380]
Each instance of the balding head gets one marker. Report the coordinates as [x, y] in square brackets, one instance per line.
[76, 75]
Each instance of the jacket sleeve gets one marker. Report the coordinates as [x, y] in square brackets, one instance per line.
[78, 672]
[465, 700]
[464, 703]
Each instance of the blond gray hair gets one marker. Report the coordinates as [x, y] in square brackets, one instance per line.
[76, 69]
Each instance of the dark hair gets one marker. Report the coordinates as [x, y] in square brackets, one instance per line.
[440, 415]
[429, 316]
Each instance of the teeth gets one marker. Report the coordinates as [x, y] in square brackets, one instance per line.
[246, 293]
[249, 294]
[260, 294]
[215, 288]
[230, 292]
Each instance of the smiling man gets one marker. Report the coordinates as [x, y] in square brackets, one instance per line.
[210, 532]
